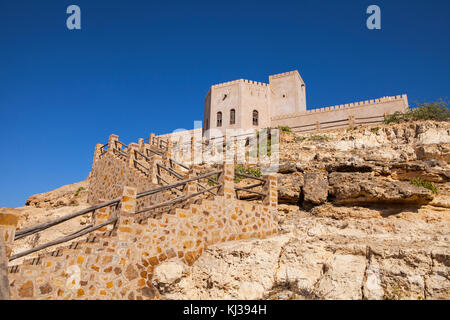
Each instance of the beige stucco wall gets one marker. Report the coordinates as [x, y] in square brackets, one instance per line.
[287, 93]
[225, 97]
[254, 96]
[283, 95]
[4, 283]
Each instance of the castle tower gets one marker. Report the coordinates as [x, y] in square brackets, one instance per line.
[245, 104]
[288, 94]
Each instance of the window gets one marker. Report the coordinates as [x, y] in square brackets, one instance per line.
[255, 117]
[219, 119]
[232, 116]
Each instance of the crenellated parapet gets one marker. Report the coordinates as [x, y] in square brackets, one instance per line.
[347, 106]
[245, 81]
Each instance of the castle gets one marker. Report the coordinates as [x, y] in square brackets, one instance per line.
[245, 104]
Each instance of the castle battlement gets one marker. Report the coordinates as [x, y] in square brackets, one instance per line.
[225, 84]
[229, 83]
[284, 74]
[364, 103]
[256, 83]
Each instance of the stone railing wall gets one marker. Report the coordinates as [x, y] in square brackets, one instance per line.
[119, 264]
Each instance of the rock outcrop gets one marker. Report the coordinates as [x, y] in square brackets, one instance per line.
[365, 188]
[367, 232]
[352, 224]
[327, 258]
[68, 195]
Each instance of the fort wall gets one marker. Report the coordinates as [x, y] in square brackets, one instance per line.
[374, 109]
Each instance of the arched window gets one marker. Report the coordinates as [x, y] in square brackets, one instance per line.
[232, 116]
[219, 119]
[255, 117]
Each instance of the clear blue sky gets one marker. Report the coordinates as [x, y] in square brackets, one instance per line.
[138, 67]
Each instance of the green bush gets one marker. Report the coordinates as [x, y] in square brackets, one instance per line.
[255, 172]
[426, 184]
[437, 110]
[285, 128]
[375, 130]
[78, 191]
[318, 137]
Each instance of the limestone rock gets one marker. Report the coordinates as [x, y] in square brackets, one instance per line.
[231, 270]
[343, 277]
[287, 167]
[315, 189]
[363, 188]
[167, 273]
[289, 187]
[372, 285]
[68, 195]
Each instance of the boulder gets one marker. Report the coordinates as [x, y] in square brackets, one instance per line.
[315, 189]
[287, 167]
[167, 273]
[289, 188]
[365, 188]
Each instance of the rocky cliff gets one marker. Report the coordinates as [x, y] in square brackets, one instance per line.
[363, 214]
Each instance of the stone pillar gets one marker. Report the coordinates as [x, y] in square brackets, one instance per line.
[4, 282]
[317, 125]
[8, 224]
[271, 191]
[102, 215]
[227, 181]
[169, 148]
[192, 152]
[97, 152]
[131, 155]
[351, 121]
[158, 142]
[112, 142]
[125, 224]
[153, 167]
[141, 145]
[224, 149]
[151, 139]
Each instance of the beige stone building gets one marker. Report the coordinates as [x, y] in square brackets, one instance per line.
[245, 104]
[249, 104]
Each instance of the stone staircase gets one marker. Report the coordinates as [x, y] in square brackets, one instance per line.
[117, 260]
